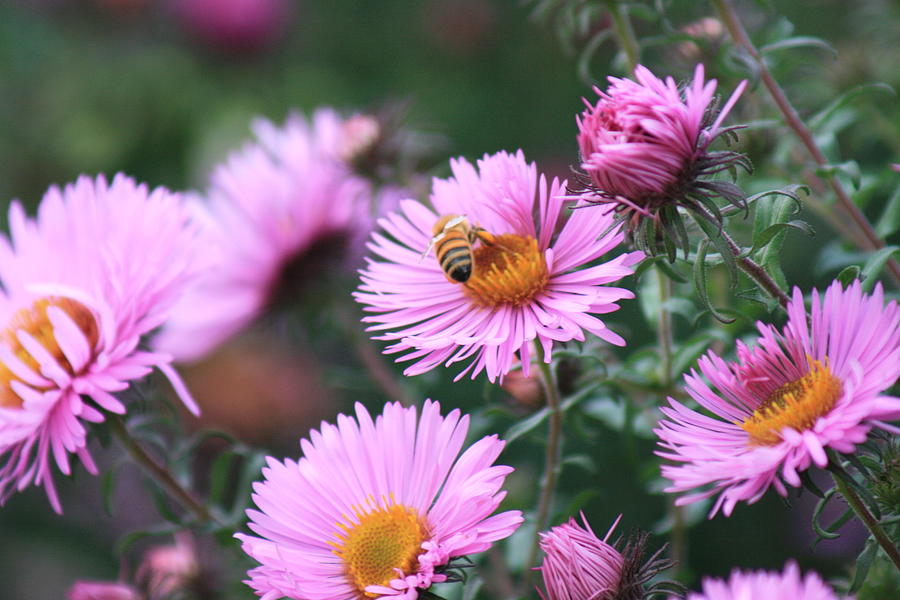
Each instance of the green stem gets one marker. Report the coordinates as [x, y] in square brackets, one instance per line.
[664, 329]
[665, 338]
[552, 458]
[854, 501]
[625, 33]
[792, 119]
[158, 472]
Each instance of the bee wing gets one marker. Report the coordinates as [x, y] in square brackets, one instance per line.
[431, 244]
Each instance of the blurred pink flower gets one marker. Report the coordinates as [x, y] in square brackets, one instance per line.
[766, 585]
[165, 570]
[376, 508]
[235, 25]
[102, 590]
[531, 286]
[282, 212]
[645, 145]
[99, 268]
[800, 391]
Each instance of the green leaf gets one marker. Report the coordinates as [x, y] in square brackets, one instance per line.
[849, 169]
[525, 425]
[875, 264]
[701, 282]
[819, 119]
[863, 562]
[689, 352]
[714, 234]
[848, 275]
[800, 41]
[770, 233]
[889, 221]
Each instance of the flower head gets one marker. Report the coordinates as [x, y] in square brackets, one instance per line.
[98, 269]
[283, 212]
[376, 508]
[766, 585]
[645, 147]
[577, 565]
[799, 392]
[524, 283]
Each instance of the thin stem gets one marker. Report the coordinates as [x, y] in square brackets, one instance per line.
[371, 359]
[796, 124]
[664, 329]
[665, 338]
[158, 472]
[552, 456]
[854, 501]
[625, 33]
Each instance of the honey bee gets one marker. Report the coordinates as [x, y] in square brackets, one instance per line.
[452, 243]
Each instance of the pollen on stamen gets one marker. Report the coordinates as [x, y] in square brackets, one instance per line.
[510, 271]
[796, 404]
[379, 540]
[35, 321]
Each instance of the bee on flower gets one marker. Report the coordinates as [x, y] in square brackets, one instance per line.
[531, 279]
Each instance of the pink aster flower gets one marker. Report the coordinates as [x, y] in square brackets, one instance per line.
[97, 270]
[376, 508]
[529, 285]
[766, 585]
[284, 211]
[578, 565]
[645, 147]
[797, 393]
[102, 590]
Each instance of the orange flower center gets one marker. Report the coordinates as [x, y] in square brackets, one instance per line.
[34, 320]
[382, 539]
[796, 404]
[511, 271]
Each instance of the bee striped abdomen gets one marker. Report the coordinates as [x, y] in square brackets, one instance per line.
[454, 252]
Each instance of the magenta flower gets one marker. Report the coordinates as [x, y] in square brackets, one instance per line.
[102, 590]
[645, 147]
[376, 508]
[283, 212]
[578, 565]
[800, 391]
[531, 286]
[766, 585]
[97, 270]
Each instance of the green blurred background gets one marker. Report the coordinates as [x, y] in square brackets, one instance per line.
[164, 90]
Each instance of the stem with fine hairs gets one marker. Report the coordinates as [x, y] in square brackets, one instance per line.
[625, 34]
[159, 473]
[871, 523]
[792, 119]
[551, 459]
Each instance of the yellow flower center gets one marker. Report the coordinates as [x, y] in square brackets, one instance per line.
[34, 320]
[511, 270]
[382, 539]
[796, 404]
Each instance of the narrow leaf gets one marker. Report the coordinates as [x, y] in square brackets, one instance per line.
[875, 264]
